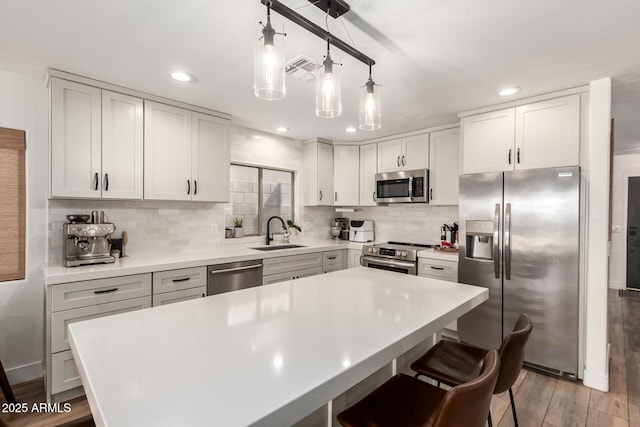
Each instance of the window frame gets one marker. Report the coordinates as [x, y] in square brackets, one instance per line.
[261, 168]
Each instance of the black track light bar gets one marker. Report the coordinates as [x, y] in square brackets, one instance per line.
[296, 18]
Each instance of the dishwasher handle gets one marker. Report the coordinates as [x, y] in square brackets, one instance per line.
[231, 270]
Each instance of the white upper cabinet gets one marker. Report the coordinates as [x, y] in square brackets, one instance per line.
[404, 153]
[122, 146]
[444, 167]
[368, 170]
[75, 140]
[346, 159]
[167, 152]
[186, 155]
[548, 133]
[488, 142]
[210, 158]
[318, 173]
[96, 142]
[537, 135]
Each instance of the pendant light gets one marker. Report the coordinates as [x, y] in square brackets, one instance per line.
[328, 93]
[370, 105]
[268, 62]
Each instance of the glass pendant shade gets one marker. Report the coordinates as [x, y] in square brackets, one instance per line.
[268, 64]
[328, 93]
[370, 106]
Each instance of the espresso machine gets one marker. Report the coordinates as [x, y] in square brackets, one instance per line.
[86, 243]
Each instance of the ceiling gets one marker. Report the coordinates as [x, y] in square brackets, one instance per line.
[434, 58]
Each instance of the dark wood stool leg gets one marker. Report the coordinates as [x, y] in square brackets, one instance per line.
[5, 386]
[513, 408]
[489, 420]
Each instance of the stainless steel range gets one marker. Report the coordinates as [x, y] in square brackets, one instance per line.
[400, 257]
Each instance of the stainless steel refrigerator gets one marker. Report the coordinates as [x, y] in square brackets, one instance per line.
[519, 236]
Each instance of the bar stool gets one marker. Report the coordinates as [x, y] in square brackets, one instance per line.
[404, 401]
[5, 386]
[454, 363]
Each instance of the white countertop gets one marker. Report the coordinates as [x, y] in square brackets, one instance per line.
[267, 355]
[138, 264]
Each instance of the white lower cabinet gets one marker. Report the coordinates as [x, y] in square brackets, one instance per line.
[354, 258]
[294, 267]
[179, 296]
[437, 268]
[179, 285]
[77, 301]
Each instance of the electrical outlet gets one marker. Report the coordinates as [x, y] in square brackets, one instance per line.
[615, 228]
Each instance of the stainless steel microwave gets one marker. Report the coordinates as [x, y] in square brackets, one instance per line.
[410, 186]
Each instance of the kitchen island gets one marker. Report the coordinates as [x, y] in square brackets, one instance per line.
[269, 355]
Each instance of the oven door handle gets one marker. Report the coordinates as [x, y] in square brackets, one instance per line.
[391, 263]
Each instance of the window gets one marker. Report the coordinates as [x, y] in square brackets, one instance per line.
[257, 194]
[12, 204]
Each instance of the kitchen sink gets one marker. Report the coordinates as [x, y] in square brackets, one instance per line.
[276, 247]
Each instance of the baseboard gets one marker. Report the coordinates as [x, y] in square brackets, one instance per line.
[597, 380]
[24, 373]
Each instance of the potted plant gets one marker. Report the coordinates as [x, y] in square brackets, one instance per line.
[293, 227]
[238, 230]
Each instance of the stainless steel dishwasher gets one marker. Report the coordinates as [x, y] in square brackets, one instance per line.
[233, 276]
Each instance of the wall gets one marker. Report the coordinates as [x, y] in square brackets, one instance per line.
[23, 105]
[415, 223]
[624, 166]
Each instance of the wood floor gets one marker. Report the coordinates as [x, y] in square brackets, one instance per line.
[546, 401]
[541, 400]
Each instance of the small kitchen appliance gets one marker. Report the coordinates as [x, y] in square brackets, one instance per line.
[361, 231]
[342, 230]
[86, 243]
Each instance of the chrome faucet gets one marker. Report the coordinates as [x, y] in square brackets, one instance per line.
[284, 227]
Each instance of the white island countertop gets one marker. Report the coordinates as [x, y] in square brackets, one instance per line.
[268, 355]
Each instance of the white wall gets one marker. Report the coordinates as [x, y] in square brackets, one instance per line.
[23, 105]
[624, 166]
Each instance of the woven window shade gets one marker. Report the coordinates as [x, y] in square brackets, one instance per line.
[12, 205]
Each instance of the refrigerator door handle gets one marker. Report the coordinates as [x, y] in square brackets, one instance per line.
[496, 241]
[507, 242]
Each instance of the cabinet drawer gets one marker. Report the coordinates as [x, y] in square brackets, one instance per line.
[61, 319]
[177, 296]
[438, 269]
[332, 258]
[91, 292]
[177, 280]
[291, 275]
[291, 263]
[64, 373]
[331, 267]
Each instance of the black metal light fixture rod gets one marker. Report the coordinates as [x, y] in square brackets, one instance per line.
[296, 18]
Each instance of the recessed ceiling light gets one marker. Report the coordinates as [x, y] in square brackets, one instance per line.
[350, 129]
[181, 76]
[509, 91]
[282, 129]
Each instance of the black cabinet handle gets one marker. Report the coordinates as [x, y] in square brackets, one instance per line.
[195, 187]
[518, 156]
[97, 179]
[106, 182]
[105, 291]
[182, 279]
[188, 187]
[373, 196]
[436, 268]
[431, 194]
[398, 161]
[332, 257]
[202, 295]
[320, 195]
[403, 161]
[335, 197]
[509, 155]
